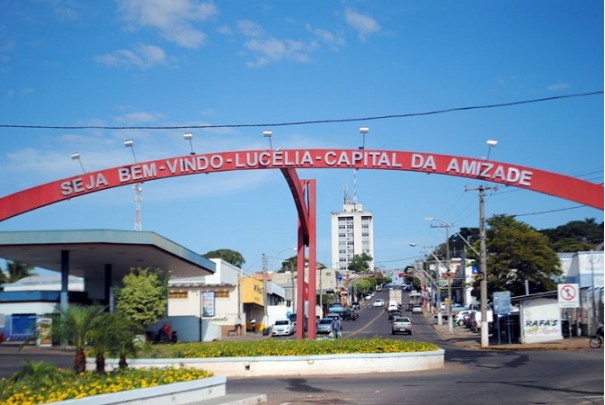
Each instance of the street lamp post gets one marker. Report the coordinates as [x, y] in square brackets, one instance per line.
[448, 264]
[269, 134]
[189, 137]
[76, 156]
[363, 131]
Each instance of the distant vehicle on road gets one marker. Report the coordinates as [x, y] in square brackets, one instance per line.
[283, 327]
[336, 307]
[349, 315]
[378, 303]
[324, 326]
[417, 309]
[401, 324]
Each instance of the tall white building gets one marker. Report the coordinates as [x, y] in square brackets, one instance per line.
[352, 234]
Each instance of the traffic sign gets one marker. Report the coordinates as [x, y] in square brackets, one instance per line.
[569, 295]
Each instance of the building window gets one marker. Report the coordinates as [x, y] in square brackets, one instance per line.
[177, 295]
[222, 294]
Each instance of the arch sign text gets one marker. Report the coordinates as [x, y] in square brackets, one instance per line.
[558, 185]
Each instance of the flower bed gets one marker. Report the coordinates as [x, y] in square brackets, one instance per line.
[271, 347]
[64, 384]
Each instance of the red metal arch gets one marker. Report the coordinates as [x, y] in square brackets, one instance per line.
[554, 184]
[303, 191]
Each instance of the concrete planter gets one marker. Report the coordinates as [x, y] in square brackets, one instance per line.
[337, 364]
[173, 394]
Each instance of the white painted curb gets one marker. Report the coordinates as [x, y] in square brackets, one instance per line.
[173, 394]
[336, 364]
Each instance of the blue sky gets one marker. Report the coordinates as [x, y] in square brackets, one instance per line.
[191, 63]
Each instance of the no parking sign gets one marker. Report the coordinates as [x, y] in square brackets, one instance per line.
[569, 295]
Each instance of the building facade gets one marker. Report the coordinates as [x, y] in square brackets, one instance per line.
[352, 234]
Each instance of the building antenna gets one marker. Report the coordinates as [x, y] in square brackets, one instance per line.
[355, 187]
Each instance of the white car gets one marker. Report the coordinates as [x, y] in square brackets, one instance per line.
[283, 327]
[378, 303]
[417, 309]
[401, 324]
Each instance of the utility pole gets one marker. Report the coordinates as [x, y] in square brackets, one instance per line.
[265, 295]
[483, 263]
[450, 323]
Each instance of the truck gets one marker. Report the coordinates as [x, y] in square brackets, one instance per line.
[414, 299]
[395, 296]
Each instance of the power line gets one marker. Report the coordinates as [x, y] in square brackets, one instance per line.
[549, 211]
[311, 122]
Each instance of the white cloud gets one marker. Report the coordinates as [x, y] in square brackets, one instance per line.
[142, 57]
[558, 86]
[174, 19]
[363, 24]
[138, 118]
[327, 37]
[249, 28]
[273, 50]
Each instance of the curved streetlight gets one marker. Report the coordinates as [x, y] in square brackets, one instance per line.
[363, 131]
[491, 143]
[76, 156]
[189, 137]
[268, 134]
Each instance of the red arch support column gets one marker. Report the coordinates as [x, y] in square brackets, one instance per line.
[303, 192]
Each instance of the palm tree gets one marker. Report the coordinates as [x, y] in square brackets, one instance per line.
[18, 270]
[122, 337]
[78, 325]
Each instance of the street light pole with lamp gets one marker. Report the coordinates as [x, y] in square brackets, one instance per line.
[269, 134]
[448, 264]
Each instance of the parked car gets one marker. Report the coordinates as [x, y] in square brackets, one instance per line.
[334, 316]
[417, 309]
[378, 303]
[460, 317]
[283, 327]
[349, 315]
[401, 324]
[336, 307]
[324, 326]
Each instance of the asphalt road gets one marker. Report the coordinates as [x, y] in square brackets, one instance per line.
[469, 376]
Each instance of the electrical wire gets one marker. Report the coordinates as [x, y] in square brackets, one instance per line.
[311, 122]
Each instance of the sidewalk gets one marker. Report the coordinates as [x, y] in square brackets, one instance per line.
[463, 337]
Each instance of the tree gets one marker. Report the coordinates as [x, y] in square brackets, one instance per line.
[516, 253]
[78, 324]
[291, 263]
[362, 286]
[121, 339]
[360, 263]
[16, 271]
[144, 296]
[575, 236]
[228, 255]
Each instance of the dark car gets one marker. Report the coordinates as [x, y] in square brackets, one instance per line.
[349, 315]
[393, 313]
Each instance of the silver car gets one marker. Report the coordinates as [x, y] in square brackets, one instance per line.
[401, 324]
[324, 326]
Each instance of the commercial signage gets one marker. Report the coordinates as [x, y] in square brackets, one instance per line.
[252, 291]
[208, 304]
[501, 302]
